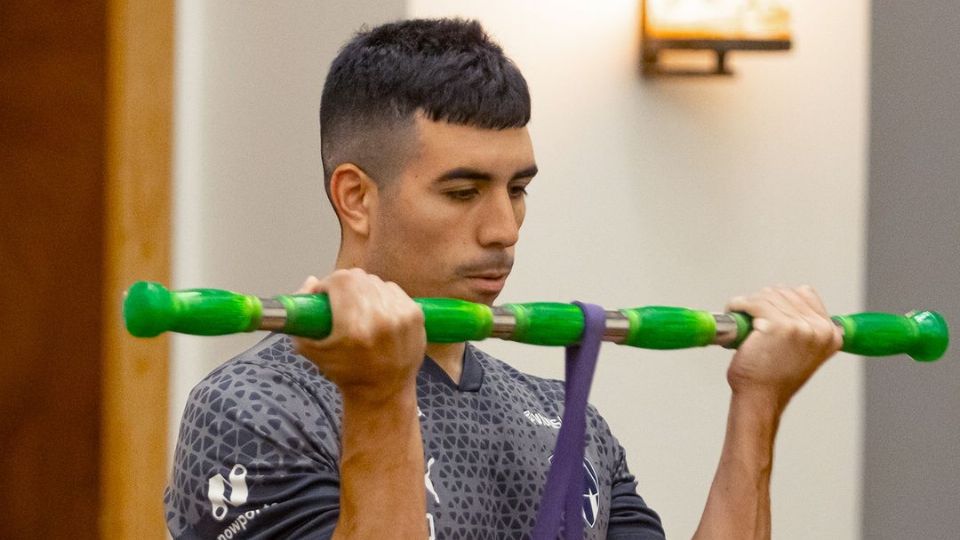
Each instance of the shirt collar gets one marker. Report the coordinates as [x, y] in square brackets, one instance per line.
[471, 377]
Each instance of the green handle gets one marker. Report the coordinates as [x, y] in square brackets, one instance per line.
[663, 327]
[447, 320]
[150, 309]
[547, 323]
[921, 334]
[308, 315]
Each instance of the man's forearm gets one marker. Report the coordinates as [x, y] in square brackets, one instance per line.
[381, 471]
[739, 502]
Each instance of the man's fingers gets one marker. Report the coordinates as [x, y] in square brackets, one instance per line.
[837, 342]
[797, 304]
[814, 313]
[797, 311]
[829, 334]
[364, 306]
[810, 295]
[760, 309]
[310, 285]
[786, 309]
[399, 300]
[753, 305]
[764, 305]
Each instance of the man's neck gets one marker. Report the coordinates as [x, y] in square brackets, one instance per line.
[449, 356]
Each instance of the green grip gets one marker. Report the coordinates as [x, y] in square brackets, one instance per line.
[547, 323]
[449, 320]
[149, 309]
[921, 334]
[308, 315]
[664, 327]
[446, 320]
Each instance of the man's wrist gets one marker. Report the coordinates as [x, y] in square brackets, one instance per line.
[752, 426]
[759, 403]
[392, 406]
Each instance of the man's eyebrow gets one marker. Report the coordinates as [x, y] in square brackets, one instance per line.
[529, 172]
[467, 173]
[464, 173]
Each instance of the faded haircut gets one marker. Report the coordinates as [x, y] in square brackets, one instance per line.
[445, 69]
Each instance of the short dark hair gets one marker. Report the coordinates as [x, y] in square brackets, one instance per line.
[446, 69]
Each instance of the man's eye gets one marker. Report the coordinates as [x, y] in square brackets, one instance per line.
[462, 194]
[518, 191]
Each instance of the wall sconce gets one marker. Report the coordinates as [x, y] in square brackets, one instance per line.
[712, 25]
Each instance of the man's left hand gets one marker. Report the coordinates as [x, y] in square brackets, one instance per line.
[792, 337]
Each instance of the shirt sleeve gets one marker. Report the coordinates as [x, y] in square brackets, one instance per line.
[256, 457]
[630, 517]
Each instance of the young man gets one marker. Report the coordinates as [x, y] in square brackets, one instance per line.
[426, 160]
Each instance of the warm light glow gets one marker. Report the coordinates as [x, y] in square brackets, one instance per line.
[718, 19]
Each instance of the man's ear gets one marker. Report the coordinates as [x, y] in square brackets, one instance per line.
[354, 197]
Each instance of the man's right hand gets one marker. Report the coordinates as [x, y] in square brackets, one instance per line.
[377, 342]
[373, 354]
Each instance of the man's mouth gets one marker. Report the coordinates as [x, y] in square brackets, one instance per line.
[491, 274]
[488, 282]
[487, 276]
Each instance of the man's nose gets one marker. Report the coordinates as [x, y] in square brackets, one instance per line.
[499, 225]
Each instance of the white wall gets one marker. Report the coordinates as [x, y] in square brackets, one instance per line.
[678, 192]
[250, 213]
[687, 192]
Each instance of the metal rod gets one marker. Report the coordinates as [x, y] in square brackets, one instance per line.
[150, 309]
[617, 325]
[273, 316]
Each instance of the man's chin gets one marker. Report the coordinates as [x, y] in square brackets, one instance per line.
[475, 297]
[483, 290]
[472, 294]
[487, 299]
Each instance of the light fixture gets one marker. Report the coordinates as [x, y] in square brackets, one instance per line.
[712, 25]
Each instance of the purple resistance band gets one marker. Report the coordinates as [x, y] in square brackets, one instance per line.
[562, 501]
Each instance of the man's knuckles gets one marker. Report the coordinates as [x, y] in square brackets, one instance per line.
[351, 277]
[381, 327]
[801, 331]
[825, 332]
[798, 329]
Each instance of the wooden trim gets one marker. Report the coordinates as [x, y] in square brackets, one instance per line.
[137, 246]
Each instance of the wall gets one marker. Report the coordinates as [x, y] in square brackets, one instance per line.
[250, 213]
[702, 189]
[686, 192]
[912, 436]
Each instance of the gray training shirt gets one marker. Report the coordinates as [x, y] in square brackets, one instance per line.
[259, 448]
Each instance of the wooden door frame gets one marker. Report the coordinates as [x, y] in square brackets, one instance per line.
[135, 373]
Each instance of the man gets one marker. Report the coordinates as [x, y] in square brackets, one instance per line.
[426, 161]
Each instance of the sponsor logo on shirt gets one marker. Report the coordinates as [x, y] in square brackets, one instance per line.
[540, 419]
[217, 491]
[431, 528]
[240, 524]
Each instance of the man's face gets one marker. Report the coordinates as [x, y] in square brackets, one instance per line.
[448, 226]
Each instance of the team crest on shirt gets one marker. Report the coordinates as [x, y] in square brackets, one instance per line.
[591, 493]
